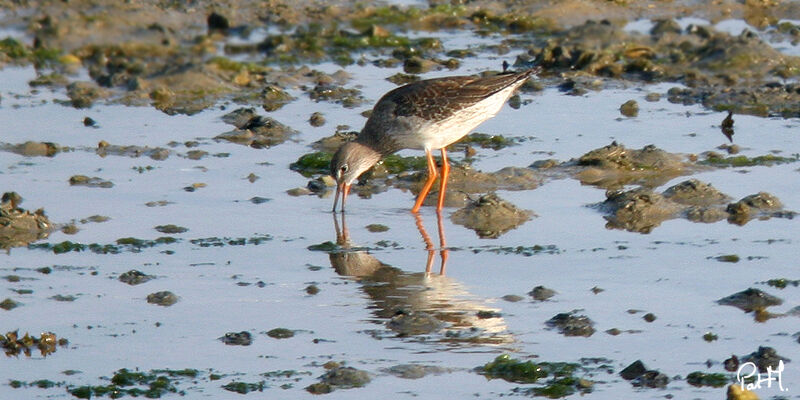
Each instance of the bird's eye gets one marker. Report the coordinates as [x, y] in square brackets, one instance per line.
[343, 168]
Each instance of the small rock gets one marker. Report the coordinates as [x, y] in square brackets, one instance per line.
[649, 317]
[406, 323]
[301, 191]
[490, 216]
[652, 97]
[375, 228]
[629, 108]
[280, 333]
[316, 119]
[512, 298]
[164, 298]
[346, 377]
[750, 300]
[171, 229]
[8, 304]
[134, 277]
[217, 22]
[570, 324]
[541, 293]
[763, 358]
[312, 289]
[83, 180]
[242, 338]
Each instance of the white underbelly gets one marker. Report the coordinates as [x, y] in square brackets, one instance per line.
[438, 134]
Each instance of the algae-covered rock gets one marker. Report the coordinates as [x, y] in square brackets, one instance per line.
[19, 227]
[490, 216]
[254, 130]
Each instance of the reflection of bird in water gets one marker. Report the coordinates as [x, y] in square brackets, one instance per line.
[727, 126]
[426, 115]
[422, 305]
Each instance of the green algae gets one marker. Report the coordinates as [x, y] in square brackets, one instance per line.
[244, 387]
[487, 141]
[526, 251]
[561, 382]
[395, 164]
[744, 161]
[327, 247]
[782, 283]
[313, 163]
[698, 379]
[226, 241]
[124, 382]
[130, 244]
[13, 48]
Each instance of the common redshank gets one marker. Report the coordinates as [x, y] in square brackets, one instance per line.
[425, 115]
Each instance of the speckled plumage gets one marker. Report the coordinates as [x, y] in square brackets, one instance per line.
[427, 115]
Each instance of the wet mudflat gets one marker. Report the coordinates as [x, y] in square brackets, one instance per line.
[184, 248]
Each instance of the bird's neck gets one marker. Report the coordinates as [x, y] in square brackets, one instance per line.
[383, 145]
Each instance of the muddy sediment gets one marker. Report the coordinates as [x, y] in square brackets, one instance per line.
[168, 56]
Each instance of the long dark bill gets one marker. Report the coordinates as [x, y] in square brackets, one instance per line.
[344, 190]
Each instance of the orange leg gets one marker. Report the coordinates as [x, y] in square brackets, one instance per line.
[443, 182]
[428, 183]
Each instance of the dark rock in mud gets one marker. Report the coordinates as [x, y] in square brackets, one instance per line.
[243, 338]
[415, 371]
[569, 324]
[83, 180]
[640, 376]
[411, 323]
[33, 149]
[280, 333]
[83, 94]
[760, 205]
[763, 358]
[330, 144]
[14, 345]
[156, 153]
[541, 293]
[316, 119]
[171, 229]
[349, 98]
[164, 298]
[695, 193]
[638, 210]
[254, 130]
[706, 214]
[217, 23]
[19, 227]
[312, 289]
[750, 300]
[731, 364]
[614, 166]
[340, 378]
[8, 304]
[134, 277]
[629, 108]
[512, 298]
[490, 216]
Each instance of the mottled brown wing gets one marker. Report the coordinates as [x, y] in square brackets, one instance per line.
[437, 99]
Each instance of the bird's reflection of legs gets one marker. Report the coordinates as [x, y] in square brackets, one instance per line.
[443, 251]
[342, 235]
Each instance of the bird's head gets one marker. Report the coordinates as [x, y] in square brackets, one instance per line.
[347, 164]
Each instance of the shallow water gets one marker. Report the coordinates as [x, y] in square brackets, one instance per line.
[670, 272]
